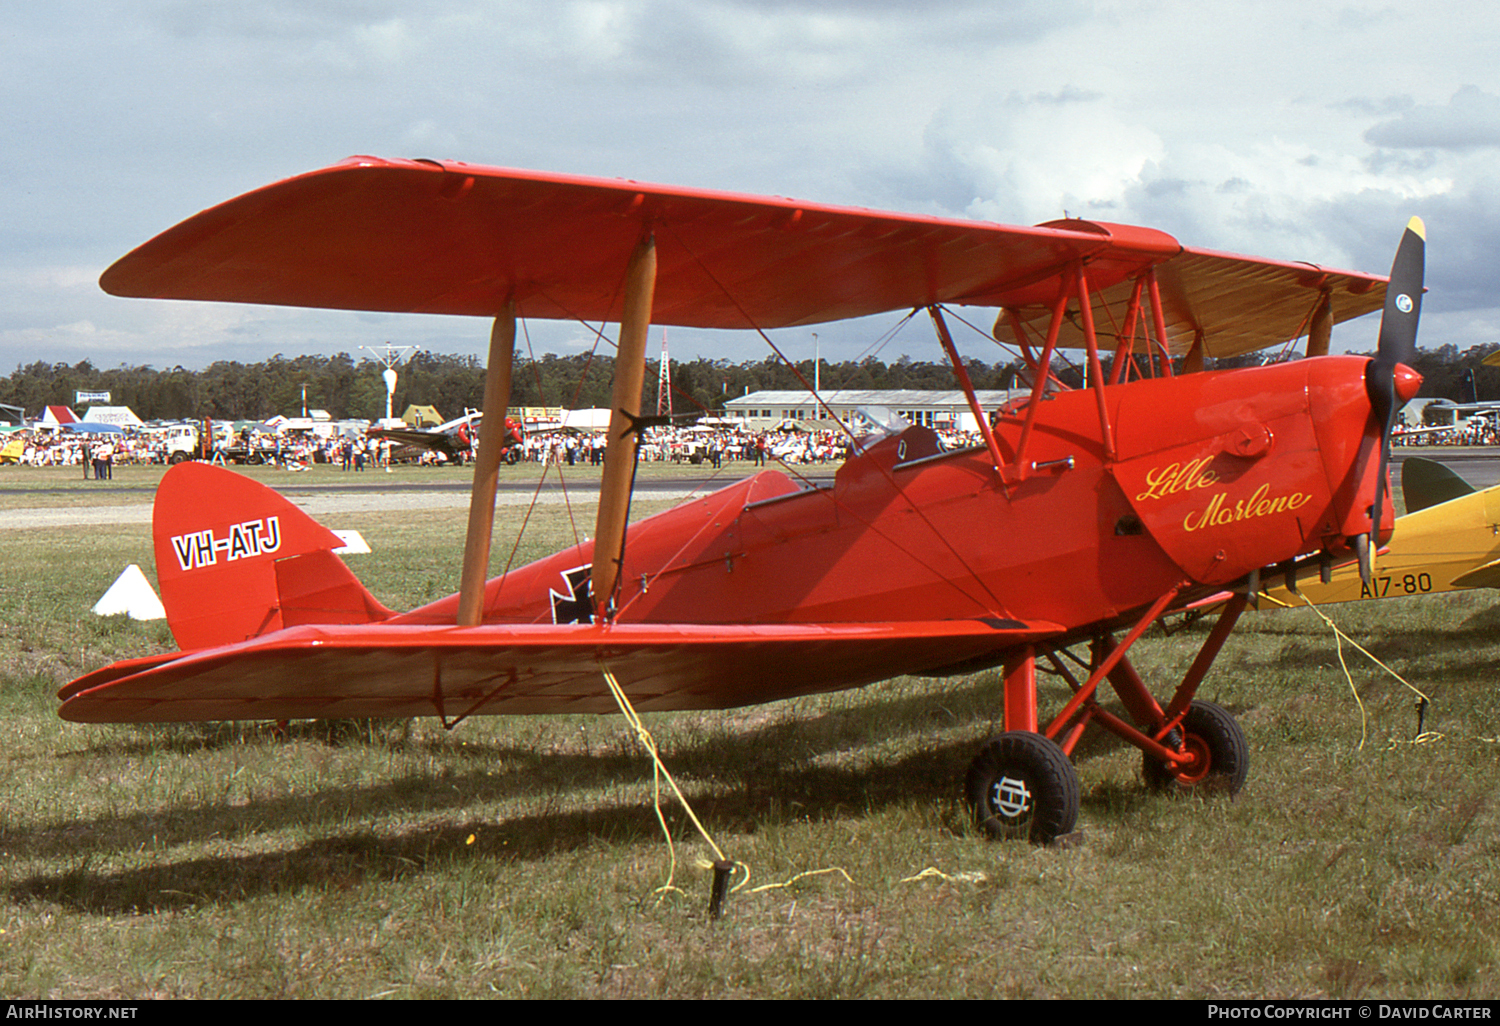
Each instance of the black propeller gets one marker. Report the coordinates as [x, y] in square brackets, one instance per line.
[1398, 345]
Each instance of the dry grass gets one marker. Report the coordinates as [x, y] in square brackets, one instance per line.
[522, 857]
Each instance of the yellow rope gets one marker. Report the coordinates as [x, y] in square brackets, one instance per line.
[644, 736]
[633, 718]
[932, 872]
[1339, 638]
[799, 876]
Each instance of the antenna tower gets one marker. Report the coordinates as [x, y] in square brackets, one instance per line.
[664, 381]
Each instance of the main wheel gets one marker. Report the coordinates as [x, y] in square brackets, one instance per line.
[1220, 755]
[1021, 785]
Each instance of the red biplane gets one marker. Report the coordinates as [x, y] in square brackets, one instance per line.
[1084, 517]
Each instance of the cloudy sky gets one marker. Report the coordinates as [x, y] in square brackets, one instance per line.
[1276, 127]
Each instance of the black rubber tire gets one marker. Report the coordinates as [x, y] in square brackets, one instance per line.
[1021, 785]
[178, 457]
[1217, 735]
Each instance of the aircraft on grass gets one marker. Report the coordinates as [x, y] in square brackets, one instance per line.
[1449, 540]
[453, 439]
[1084, 517]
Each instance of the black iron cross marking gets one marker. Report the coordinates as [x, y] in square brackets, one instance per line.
[577, 606]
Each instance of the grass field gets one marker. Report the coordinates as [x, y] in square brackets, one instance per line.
[522, 857]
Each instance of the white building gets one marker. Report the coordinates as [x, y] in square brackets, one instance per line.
[946, 409]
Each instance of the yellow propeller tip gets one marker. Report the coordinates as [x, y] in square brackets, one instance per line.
[1416, 225]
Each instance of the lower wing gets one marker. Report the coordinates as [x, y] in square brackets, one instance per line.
[377, 670]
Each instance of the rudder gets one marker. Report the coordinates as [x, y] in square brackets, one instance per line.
[235, 560]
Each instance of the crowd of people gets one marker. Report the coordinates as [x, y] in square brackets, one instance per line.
[96, 452]
[715, 446]
[712, 445]
[1478, 431]
[51, 448]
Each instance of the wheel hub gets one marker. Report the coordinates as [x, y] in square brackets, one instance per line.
[1199, 761]
[1011, 798]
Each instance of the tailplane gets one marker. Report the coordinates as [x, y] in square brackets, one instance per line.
[235, 560]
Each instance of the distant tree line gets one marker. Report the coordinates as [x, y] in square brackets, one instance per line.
[231, 390]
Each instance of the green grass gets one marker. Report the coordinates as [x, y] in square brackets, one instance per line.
[522, 856]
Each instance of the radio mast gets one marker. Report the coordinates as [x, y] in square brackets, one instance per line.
[664, 381]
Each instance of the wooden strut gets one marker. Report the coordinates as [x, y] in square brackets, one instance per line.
[1321, 331]
[620, 449]
[487, 468]
[1192, 363]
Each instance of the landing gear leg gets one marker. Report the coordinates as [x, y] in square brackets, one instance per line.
[1189, 743]
[1021, 785]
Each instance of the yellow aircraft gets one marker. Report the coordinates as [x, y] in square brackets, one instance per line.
[1449, 540]
[12, 451]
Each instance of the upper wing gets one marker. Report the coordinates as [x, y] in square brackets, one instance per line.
[424, 236]
[362, 670]
[1238, 304]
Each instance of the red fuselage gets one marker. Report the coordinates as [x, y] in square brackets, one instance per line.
[1213, 476]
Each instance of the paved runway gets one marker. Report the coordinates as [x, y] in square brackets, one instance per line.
[1478, 465]
[359, 498]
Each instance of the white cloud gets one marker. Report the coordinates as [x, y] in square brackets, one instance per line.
[1299, 131]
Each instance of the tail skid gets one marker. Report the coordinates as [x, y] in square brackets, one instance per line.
[236, 560]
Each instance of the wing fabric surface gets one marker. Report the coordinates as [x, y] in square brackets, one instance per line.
[453, 238]
[1239, 304]
[385, 670]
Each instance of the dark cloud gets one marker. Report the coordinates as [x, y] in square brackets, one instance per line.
[1469, 120]
[1463, 240]
[1380, 107]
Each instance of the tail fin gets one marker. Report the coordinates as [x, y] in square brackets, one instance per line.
[235, 560]
[1428, 483]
